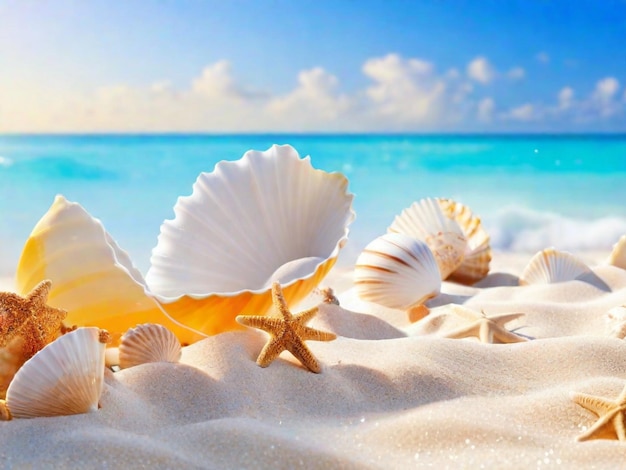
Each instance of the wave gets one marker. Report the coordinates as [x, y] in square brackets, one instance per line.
[520, 229]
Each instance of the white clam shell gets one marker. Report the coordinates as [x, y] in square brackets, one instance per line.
[93, 279]
[397, 271]
[269, 216]
[148, 343]
[550, 266]
[475, 265]
[615, 321]
[618, 254]
[425, 220]
[65, 377]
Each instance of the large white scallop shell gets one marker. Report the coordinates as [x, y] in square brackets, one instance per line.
[65, 377]
[397, 271]
[93, 279]
[425, 220]
[475, 265]
[269, 216]
[148, 343]
[550, 266]
[618, 254]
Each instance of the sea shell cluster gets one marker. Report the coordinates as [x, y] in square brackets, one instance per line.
[430, 241]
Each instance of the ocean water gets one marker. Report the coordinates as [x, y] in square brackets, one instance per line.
[530, 191]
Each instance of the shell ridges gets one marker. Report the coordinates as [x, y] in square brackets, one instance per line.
[148, 343]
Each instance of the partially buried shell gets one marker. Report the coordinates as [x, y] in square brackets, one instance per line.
[425, 220]
[148, 343]
[618, 254]
[269, 216]
[64, 378]
[92, 278]
[550, 266]
[475, 265]
[397, 271]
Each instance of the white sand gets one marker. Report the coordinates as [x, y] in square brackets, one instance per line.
[391, 394]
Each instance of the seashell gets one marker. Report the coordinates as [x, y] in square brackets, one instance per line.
[615, 321]
[425, 220]
[397, 271]
[92, 278]
[148, 343]
[551, 266]
[269, 216]
[618, 255]
[475, 265]
[64, 378]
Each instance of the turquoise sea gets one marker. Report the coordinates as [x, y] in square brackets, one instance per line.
[530, 191]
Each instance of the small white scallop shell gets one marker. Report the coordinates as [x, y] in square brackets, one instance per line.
[64, 378]
[615, 321]
[146, 343]
[475, 265]
[425, 220]
[618, 255]
[397, 271]
[550, 266]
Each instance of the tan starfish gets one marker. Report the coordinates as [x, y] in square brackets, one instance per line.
[287, 332]
[29, 318]
[487, 329]
[611, 416]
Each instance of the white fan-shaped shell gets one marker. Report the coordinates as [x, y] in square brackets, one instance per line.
[615, 320]
[269, 216]
[426, 221]
[397, 271]
[475, 265]
[550, 266]
[618, 255]
[146, 343]
[64, 378]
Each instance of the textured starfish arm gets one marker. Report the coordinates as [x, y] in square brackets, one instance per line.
[39, 294]
[599, 427]
[309, 333]
[270, 352]
[505, 336]
[303, 317]
[271, 325]
[618, 424]
[463, 332]
[598, 405]
[503, 318]
[304, 355]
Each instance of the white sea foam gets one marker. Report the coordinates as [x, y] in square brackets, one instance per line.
[4, 161]
[522, 229]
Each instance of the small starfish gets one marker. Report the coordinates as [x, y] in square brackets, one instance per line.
[611, 415]
[286, 333]
[29, 318]
[487, 329]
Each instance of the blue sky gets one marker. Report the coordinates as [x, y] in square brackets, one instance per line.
[308, 66]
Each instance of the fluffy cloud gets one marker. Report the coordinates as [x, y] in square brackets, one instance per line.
[480, 70]
[565, 97]
[526, 112]
[543, 57]
[516, 73]
[486, 108]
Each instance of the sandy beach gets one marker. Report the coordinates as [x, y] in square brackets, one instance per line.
[391, 394]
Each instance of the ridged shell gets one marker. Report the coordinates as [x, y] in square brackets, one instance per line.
[92, 278]
[551, 266]
[475, 265]
[268, 216]
[64, 378]
[615, 320]
[148, 343]
[618, 255]
[397, 271]
[425, 220]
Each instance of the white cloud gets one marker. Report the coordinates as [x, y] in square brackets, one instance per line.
[565, 97]
[480, 70]
[516, 73]
[543, 57]
[603, 96]
[486, 107]
[525, 112]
